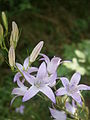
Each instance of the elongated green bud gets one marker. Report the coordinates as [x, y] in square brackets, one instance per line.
[14, 35]
[5, 23]
[11, 56]
[1, 34]
[36, 51]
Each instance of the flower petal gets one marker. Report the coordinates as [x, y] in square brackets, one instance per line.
[64, 81]
[19, 91]
[42, 71]
[56, 60]
[20, 84]
[17, 76]
[77, 98]
[19, 66]
[31, 92]
[29, 78]
[46, 58]
[75, 78]
[70, 108]
[13, 99]
[52, 66]
[32, 69]
[83, 87]
[49, 93]
[26, 63]
[52, 79]
[58, 115]
[61, 91]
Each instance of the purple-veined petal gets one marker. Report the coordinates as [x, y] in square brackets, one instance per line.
[29, 78]
[19, 91]
[26, 63]
[75, 78]
[42, 72]
[13, 99]
[52, 66]
[64, 81]
[56, 60]
[32, 69]
[52, 79]
[42, 59]
[61, 91]
[19, 66]
[17, 76]
[49, 93]
[57, 115]
[31, 92]
[73, 104]
[20, 84]
[83, 87]
[76, 96]
[52, 84]
[45, 58]
[70, 108]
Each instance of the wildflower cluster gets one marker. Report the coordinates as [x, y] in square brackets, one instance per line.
[67, 101]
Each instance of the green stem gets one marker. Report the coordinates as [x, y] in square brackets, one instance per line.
[5, 46]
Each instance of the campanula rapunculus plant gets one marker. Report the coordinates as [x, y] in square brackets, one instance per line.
[72, 88]
[40, 83]
[43, 80]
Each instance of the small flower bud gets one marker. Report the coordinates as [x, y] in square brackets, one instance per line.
[1, 34]
[11, 56]
[36, 51]
[14, 35]
[1, 30]
[4, 18]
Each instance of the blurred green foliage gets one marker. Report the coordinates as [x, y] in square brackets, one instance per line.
[80, 56]
[64, 26]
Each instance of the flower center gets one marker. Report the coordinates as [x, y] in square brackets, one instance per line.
[71, 89]
[39, 83]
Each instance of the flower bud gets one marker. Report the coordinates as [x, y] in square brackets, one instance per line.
[4, 18]
[14, 35]
[11, 56]
[1, 34]
[36, 51]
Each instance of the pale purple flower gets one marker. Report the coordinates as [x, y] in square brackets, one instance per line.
[52, 64]
[24, 68]
[20, 109]
[19, 91]
[57, 115]
[72, 88]
[71, 108]
[40, 83]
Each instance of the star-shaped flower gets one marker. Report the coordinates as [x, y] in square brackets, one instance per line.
[72, 88]
[23, 68]
[52, 64]
[40, 83]
[57, 115]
